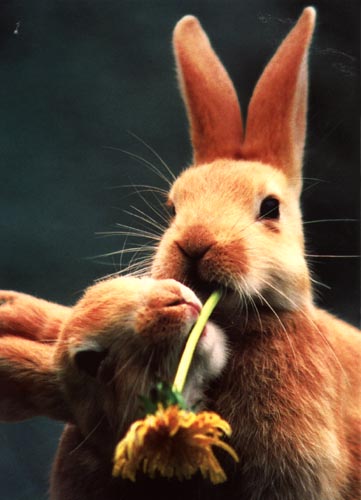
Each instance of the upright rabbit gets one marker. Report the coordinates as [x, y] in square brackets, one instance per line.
[291, 389]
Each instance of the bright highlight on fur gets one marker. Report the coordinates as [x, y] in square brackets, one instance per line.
[176, 442]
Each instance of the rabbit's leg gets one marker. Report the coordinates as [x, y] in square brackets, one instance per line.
[26, 316]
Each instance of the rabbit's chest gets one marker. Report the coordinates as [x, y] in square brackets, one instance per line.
[282, 413]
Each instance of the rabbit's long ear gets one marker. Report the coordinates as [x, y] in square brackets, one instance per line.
[276, 122]
[211, 101]
[29, 384]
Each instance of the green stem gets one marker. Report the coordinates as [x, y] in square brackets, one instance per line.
[185, 361]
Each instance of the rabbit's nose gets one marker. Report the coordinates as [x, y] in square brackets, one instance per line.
[193, 252]
[195, 243]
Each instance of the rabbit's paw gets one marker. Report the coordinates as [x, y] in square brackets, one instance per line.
[27, 316]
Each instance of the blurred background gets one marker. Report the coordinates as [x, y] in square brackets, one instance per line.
[76, 77]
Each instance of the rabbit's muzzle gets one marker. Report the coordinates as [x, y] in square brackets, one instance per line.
[195, 242]
[204, 262]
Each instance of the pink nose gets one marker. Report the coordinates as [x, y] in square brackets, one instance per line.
[193, 252]
[195, 242]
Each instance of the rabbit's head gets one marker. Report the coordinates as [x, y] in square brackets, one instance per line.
[121, 338]
[236, 215]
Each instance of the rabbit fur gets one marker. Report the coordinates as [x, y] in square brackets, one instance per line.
[291, 386]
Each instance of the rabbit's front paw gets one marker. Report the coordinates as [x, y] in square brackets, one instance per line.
[26, 316]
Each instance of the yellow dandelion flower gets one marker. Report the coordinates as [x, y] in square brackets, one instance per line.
[173, 443]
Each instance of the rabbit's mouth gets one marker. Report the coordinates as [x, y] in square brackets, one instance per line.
[203, 289]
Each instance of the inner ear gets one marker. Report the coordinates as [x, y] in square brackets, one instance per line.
[89, 360]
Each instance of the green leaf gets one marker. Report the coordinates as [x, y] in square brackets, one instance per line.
[162, 394]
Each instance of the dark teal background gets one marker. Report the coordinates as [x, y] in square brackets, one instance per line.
[78, 75]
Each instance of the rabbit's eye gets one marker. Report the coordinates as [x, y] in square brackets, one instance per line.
[270, 208]
[89, 360]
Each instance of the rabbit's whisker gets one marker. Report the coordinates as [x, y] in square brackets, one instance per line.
[142, 248]
[319, 283]
[88, 436]
[328, 220]
[253, 303]
[145, 218]
[143, 161]
[164, 218]
[307, 317]
[265, 301]
[142, 187]
[139, 267]
[130, 234]
[152, 150]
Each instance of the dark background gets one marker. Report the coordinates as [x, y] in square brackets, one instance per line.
[75, 76]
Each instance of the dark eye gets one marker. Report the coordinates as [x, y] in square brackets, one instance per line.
[89, 360]
[270, 208]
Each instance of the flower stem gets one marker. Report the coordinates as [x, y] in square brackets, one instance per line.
[186, 359]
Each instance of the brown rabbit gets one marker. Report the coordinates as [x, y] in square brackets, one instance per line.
[292, 388]
[88, 364]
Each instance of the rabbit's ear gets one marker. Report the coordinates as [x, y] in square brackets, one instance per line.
[29, 384]
[276, 121]
[211, 101]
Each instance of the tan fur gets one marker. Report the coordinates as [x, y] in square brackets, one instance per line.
[292, 387]
[139, 327]
[211, 100]
[291, 390]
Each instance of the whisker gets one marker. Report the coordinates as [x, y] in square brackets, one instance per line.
[254, 305]
[307, 317]
[316, 282]
[155, 154]
[263, 299]
[159, 214]
[96, 427]
[137, 269]
[138, 229]
[121, 369]
[142, 160]
[128, 233]
[147, 219]
[143, 248]
[329, 220]
[144, 187]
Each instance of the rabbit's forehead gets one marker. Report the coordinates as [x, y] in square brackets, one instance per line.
[241, 180]
[113, 305]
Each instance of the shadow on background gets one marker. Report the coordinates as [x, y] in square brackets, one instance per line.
[75, 76]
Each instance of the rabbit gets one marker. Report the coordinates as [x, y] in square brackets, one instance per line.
[87, 365]
[291, 390]
[291, 385]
